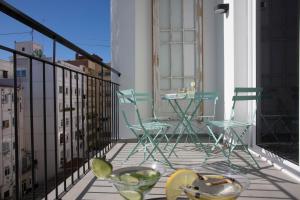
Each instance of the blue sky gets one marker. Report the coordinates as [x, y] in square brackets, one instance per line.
[84, 22]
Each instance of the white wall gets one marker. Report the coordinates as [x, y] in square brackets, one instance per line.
[213, 53]
[143, 51]
[131, 31]
[122, 34]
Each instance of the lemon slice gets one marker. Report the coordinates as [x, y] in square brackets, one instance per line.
[179, 179]
[101, 168]
[129, 179]
[131, 195]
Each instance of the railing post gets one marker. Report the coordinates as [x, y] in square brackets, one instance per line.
[17, 156]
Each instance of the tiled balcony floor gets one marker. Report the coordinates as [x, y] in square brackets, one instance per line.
[266, 182]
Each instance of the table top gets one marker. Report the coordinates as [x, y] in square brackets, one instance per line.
[191, 95]
[177, 96]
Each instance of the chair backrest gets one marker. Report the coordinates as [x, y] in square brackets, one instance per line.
[208, 97]
[245, 94]
[126, 96]
[129, 96]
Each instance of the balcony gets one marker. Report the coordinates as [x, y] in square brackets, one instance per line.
[60, 141]
[267, 182]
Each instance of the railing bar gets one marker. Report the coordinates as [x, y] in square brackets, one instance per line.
[45, 131]
[77, 119]
[115, 114]
[71, 125]
[64, 129]
[99, 118]
[31, 129]
[112, 113]
[96, 119]
[87, 120]
[118, 115]
[92, 107]
[106, 118]
[55, 118]
[103, 121]
[83, 92]
[16, 122]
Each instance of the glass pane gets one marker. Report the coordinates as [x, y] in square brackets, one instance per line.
[176, 14]
[164, 14]
[188, 13]
[278, 75]
[176, 64]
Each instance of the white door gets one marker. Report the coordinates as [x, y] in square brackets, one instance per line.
[177, 49]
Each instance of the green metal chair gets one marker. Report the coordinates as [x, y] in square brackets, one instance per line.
[148, 133]
[233, 129]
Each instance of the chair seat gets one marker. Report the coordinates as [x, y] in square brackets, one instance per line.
[228, 124]
[150, 125]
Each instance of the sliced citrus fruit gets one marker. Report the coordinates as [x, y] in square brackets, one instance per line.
[101, 168]
[179, 179]
[129, 179]
[131, 195]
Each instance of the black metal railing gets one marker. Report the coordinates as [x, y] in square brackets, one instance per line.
[58, 141]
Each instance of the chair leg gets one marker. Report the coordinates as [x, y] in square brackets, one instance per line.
[156, 147]
[245, 146]
[217, 141]
[134, 148]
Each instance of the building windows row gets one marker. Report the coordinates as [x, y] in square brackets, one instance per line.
[67, 90]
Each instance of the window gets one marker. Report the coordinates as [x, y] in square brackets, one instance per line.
[60, 105]
[23, 48]
[61, 122]
[5, 124]
[61, 138]
[177, 27]
[68, 153]
[21, 73]
[67, 121]
[5, 74]
[6, 171]
[4, 98]
[60, 89]
[6, 194]
[5, 147]
[75, 76]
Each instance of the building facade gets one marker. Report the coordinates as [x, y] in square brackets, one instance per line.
[65, 138]
[7, 132]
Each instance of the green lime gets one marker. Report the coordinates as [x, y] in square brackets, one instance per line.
[101, 168]
[131, 195]
[129, 179]
[147, 174]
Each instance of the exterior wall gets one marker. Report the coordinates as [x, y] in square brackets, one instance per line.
[123, 51]
[132, 50]
[23, 64]
[143, 51]
[7, 139]
[7, 133]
